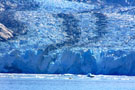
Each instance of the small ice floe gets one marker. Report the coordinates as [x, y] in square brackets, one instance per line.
[90, 75]
[125, 79]
[81, 76]
[68, 74]
[116, 78]
[70, 78]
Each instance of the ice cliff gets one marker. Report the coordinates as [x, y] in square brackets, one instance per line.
[67, 36]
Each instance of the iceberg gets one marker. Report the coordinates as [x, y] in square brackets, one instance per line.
[64, 36]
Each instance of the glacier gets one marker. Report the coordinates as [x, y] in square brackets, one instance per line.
[68, 36]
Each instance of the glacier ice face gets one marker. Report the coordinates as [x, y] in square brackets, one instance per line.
[59, 36]
[78, 62]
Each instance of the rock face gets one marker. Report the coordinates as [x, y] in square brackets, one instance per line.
[8, 19]
[5, 33]
[10, 26]
[19, 5]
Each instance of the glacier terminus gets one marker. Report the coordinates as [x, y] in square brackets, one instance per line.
[67, 36]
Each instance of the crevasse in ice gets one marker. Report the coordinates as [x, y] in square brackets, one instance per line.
[59, 36]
